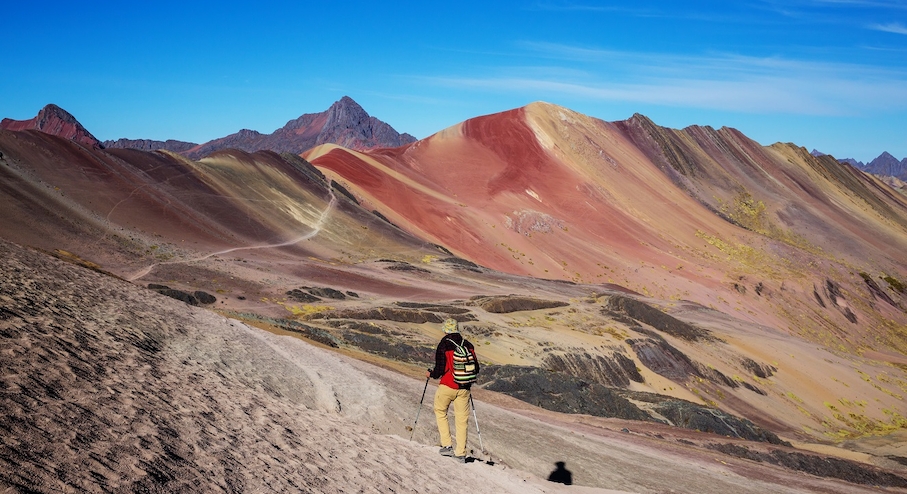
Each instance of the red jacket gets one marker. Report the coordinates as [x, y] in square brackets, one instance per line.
[444, 359]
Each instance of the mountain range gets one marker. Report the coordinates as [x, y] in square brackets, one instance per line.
[344, 123]
[616, 275]
[885, 165]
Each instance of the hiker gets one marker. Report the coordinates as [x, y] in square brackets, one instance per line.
[457, 367]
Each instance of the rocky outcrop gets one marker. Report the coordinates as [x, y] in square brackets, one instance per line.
[697, 417]
[446, 309]
[663, 359]
[389, 347]
[646, 314]
[415, 316]
[505, 304]
[822, 466]
[563, 393]
[559, 392]
[55, 121]
[836, 296]
[616, 371]
[198, 297]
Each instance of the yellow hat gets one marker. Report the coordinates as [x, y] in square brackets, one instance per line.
[451, 326]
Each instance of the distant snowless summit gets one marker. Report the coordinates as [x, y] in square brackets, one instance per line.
[885, 165]
[345, 123]
[55, 121]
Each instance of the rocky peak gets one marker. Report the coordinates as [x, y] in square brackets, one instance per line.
[887, 165]
[885, 157]
[348, 124]
[55, 121]
[247, 133]
[346, 113]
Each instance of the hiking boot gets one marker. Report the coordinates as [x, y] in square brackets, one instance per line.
[446, 451]
[461, 459]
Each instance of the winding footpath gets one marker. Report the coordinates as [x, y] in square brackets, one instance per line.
[322, 219]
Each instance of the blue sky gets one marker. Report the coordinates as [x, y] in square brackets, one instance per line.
[825, 74]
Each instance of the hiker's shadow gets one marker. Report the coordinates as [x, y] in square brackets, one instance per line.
[561, 475]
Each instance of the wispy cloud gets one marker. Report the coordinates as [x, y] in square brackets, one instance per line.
[661, 11]
[716, 81]
[892, 27]
[876, 4]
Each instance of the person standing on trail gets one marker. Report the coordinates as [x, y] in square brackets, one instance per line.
[457, 367]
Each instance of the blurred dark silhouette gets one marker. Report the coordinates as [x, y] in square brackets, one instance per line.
[561, 475]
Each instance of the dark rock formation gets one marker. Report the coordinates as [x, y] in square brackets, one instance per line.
[822, 466]
[387, 314]
[762, 371]
[301, 296]
[179, 295]
[406, 267]
[563, 393]
[308, 294]
[446, 309]
[616, 371]
[646, 314]
[389, 348]
[204, 298]
[716, 376]
[876, 290]
[663, 359]
[325, 292]
[833, 292]
[558, 392]
[312, 333]
[462, 264]
[196, 298]
[514, 303]
[55, 121]
[692, 416]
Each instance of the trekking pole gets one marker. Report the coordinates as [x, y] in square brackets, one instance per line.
[476, 420]
[420, 409]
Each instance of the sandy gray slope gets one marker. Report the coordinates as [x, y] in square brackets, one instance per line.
[107, 387]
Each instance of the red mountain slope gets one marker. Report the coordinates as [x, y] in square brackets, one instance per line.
[696, 214]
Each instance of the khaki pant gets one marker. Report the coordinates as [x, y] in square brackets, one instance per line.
[460, 398]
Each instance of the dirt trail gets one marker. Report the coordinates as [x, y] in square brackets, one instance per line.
[316, 229]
